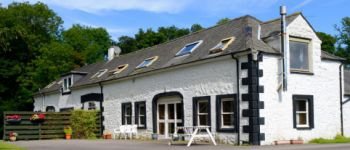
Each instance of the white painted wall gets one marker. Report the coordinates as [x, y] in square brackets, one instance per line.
[323, 85]
[208, 79]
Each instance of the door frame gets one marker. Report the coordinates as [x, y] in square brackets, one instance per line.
[166, 120]
[155, 108]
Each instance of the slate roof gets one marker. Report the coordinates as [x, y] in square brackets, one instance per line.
[244, 29]
[347, 82]
[329, 56]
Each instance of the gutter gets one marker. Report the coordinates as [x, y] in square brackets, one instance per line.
[238, 100]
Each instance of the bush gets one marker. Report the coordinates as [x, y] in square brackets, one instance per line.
[83, 124]
[337, 139]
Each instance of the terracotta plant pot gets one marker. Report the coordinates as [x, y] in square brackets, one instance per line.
[13, 138]
[68, 136]
[107, 136]
[296, 142]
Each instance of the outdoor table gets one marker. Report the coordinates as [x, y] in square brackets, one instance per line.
[194, 132]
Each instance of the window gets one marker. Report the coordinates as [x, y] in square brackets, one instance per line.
[99, 73]
[201, 111]
[51, 84]
[226, 113]
[140, 114]
[189, 48]
[91, 106]
[119, 69]
[222, 45]
[147, 62]
[126, 113]
[67, 83]
[299, 55]
[50, 109]
[303, 111]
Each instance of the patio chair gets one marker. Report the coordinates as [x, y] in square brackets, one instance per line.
[120, 131]
[133, 131]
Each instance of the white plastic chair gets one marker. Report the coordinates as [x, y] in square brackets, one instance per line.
[133, 130]
[120, 131]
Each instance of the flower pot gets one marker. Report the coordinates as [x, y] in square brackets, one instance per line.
[13, 138]
[296, 142]
[107, 136]
[68, 136]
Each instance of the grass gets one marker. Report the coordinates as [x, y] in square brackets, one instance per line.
[7, 146]
[336, 139]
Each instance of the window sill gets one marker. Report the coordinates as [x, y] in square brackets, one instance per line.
[301, 72]
[303, 128]
[226, 130]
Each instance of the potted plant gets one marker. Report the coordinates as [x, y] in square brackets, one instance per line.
[37, 117]
[107, 134]
[13, 118]
[68, 132]
[13, 136]
[297, 141]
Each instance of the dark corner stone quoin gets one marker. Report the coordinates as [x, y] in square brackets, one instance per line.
[253, 100]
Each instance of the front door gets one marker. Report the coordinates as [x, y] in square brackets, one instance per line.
[169, 116]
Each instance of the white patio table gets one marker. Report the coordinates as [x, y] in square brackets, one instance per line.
[194, 132]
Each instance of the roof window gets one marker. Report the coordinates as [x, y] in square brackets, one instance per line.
[99, 73]
[222, 45]
[119, 69]
[147, 62]
[189, 48]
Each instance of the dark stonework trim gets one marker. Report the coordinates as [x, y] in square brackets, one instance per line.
[154, 107]
[310, 99]
[137, 114]
[262, 136]
[261, 73]
[261, 89]
[244, 65]
[195, 107]
[250, 96]
[218, 113]
[256, 105]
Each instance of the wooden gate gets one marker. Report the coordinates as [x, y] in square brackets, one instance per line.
[50, 128]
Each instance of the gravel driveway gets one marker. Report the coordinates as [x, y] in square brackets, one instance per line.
[156, 145]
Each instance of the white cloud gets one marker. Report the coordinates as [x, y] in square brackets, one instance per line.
[302, 4]
[96, 6]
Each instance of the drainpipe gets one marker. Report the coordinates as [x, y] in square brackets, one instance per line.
[101, 108]
[283, 12]
[341, 98]
[238, 100]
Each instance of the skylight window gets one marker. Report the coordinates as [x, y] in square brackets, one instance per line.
[222, 45]
[147, 62]
[119, 69]
[189, 48]
[99, 73]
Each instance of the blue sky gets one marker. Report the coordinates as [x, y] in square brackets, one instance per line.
[125, 17]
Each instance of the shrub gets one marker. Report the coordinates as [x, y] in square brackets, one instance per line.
[337, 139]
[83, 123]
[67, 130]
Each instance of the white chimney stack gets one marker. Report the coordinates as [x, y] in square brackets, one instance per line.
[114, 51]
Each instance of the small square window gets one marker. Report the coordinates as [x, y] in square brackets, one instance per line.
[226, 113]
[67, 83]
[222, 45]
[119, 69]
[147, 62]
[299, 53]
[189, 48]
[99, 73]
[303, 111]
[201, 111]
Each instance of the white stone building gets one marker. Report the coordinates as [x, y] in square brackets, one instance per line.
[229, 77]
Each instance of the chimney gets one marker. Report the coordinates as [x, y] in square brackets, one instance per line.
[283, 12]
[114, 51]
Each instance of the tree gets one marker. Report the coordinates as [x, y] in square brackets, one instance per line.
[91, 43]
[343, 37]
[328, 42]
[223, 21]
[196, 27]
[127, 44]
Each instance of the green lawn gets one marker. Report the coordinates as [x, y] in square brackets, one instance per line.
[336, 139]
[9, 146]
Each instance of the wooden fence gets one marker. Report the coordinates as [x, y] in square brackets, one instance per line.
[50, 128]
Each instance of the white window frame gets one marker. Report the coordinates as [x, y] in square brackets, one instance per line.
[117, 70]
[216, 49]
[309, 53]
[66, 86]
[143, 65]
[99, 73]
[199, 42]
[203, 114]
[306, 112]
[226, 113]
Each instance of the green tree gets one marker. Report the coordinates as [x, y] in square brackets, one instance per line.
[196, 27]
[343, 37]
[328, 42]
[90, 43]
[223, 21]
[127, 44]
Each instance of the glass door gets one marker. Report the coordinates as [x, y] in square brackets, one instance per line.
[169, 117]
